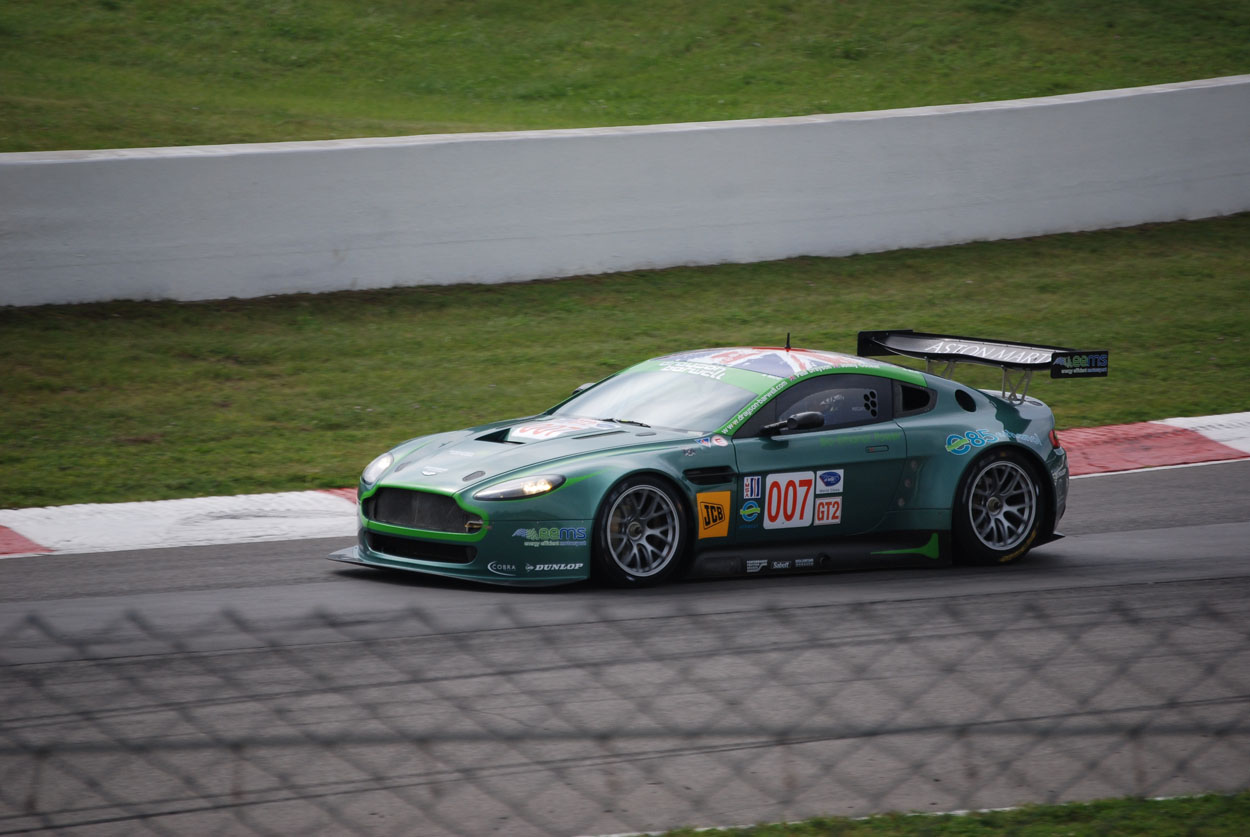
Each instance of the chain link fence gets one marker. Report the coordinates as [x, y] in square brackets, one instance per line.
[603, 719]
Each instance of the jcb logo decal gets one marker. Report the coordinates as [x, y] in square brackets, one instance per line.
[713, 514]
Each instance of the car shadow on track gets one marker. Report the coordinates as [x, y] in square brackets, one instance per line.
[399, 578]
[799, 585]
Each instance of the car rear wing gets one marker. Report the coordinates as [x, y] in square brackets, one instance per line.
[941, 353]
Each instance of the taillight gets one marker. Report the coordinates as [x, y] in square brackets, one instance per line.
[1054, 440]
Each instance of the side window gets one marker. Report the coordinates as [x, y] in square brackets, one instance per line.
[912, 400]
[844, 400]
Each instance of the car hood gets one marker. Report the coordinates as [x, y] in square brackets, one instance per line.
[456, 461]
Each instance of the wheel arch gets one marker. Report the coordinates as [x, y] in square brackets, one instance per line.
[681, 490]
[1025, 458]
[680, 495]
[1036, 464]
[1040, 472]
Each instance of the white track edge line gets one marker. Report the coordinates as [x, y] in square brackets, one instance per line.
[1159, 468]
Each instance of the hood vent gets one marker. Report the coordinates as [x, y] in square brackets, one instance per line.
[499, 437]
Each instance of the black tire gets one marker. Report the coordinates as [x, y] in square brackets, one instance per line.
[641, 534]
[1000, 509]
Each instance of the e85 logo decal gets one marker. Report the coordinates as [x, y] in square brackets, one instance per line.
[959, 444]
[788, 500]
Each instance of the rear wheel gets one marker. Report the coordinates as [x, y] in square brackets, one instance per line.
[999, 509]
[640, 534]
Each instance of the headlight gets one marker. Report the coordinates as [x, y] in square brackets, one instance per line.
[521, 488]
[377, 468]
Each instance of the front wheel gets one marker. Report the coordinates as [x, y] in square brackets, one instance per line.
[999, 509]
[640, 534]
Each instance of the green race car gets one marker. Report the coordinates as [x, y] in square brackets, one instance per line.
[737, 461]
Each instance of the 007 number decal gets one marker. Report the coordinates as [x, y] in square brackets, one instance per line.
[788, 500]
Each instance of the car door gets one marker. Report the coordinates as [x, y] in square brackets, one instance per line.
[833, 480]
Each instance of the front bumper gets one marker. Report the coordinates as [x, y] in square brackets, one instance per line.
[516, 553]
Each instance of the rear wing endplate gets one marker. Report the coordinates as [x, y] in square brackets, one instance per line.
[941, 352]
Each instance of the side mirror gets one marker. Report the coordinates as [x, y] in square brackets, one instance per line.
[809, 420]
[583, 388]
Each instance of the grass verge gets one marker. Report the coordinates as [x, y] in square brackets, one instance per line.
[137, 401]
[127, 73]
[1208, 815]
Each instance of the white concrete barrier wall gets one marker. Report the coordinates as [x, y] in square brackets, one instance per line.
[250, 220]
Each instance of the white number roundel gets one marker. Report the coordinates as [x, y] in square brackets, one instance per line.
[788, 500]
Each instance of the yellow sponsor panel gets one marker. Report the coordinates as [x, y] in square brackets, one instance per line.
[713, 514]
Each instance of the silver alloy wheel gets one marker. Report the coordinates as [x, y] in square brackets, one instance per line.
[1003, 505]
[644, 530]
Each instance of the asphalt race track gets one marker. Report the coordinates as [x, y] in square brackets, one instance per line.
[262, 688]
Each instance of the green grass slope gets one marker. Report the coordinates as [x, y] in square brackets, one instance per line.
[78, 74]
[1193, 816]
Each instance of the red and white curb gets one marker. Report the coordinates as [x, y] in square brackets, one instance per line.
[1155, 444]
[293, 515]
[198, 521]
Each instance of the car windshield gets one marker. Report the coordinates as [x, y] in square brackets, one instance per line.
[660, 399]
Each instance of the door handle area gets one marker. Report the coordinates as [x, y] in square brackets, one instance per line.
[878, 448]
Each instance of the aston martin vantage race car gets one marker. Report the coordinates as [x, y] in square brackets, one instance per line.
[737, 461]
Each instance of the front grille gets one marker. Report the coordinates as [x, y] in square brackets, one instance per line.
[419, 510]
[446, 553]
